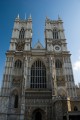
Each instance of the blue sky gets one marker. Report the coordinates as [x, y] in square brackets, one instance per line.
[68, 10]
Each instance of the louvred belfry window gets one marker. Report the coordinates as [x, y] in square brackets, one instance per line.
[55, 34]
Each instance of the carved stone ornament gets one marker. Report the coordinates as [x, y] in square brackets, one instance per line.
[19, 46]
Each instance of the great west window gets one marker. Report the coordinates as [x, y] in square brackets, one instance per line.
[38, 75]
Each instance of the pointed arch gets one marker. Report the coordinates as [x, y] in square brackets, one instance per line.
[38, 114]
[21, 33]
[38, 75]
[18, 64]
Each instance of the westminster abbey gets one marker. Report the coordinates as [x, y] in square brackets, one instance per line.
[38, 82]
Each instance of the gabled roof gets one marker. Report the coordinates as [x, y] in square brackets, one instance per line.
[38, 45]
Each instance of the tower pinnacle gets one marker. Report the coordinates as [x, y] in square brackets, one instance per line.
[17, 16]
[30, 17]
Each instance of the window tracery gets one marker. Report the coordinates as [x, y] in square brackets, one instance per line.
[18, 64]
[38, 75]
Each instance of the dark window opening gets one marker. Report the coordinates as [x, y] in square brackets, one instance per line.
[16, 101]
[38, 116]
[55, 34]
[58, 64]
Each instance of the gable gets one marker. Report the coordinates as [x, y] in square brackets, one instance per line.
[38, 45]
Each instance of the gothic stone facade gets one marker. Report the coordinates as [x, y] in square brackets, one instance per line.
[37, 81]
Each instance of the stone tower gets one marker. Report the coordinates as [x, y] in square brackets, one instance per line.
[37, 80]
[57, 47]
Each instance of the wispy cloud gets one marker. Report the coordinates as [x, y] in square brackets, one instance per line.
[76, 65]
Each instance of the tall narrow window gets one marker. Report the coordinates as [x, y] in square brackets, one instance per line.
[16, 101]
[55, 34]
[58, 64]
[18, 64]
[22, 33]
[38, 75]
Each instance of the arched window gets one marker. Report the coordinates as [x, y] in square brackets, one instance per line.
[18, 64]
[58, 64]
[38, 75]
[16, 101]
[22, 33]
[55, 34]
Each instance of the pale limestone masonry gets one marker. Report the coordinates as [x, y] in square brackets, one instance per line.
[37, 81]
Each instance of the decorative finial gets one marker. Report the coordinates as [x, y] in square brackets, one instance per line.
[25, 16]
[47, 18]
[59, 17]
[18, 16]
[38, 36]
[30, 17]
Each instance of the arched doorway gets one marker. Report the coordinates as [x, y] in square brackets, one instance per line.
[38, 114]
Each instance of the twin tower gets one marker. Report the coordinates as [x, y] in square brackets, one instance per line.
[37, 81]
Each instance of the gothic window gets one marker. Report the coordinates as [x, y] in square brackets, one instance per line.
[55, 34]
[58, 64]
[22, 33]
[16, 101]
[18, 64]
[38, 75]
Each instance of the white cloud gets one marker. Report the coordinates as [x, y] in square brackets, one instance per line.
[76, 65]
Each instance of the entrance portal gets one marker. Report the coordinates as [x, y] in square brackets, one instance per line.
[38, 114]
